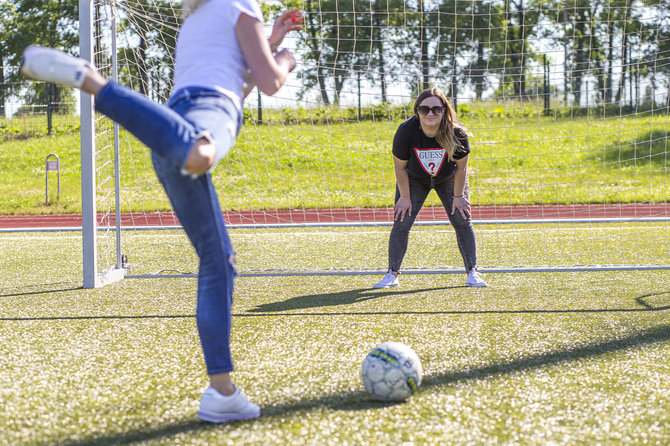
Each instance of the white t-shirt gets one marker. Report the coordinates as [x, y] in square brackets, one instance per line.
[208, 54]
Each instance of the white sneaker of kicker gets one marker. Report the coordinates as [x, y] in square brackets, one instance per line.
[51, 65]
[474, 279]
[388, 281]
[218, 408]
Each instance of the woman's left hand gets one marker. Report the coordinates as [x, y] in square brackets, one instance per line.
[463, 206]
[290, 20]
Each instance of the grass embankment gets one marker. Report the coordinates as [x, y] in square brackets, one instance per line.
[517, 158]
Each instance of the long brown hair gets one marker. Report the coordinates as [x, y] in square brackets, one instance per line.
[445, 132]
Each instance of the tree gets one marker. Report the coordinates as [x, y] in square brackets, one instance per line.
[483, 21]
[512, 51]
[386, 18]
[149, 27]
[657, 56]
[42, 22]
[7, 19]
[345, 36]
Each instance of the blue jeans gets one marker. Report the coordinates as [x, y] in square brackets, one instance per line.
[170, 132]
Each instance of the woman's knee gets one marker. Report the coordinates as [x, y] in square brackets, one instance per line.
[400, 230]
[460, 223]
[405, 225]
[201, 157]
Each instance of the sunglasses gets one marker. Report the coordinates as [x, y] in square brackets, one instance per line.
[424, 110]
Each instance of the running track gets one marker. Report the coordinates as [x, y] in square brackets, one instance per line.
[367, 215]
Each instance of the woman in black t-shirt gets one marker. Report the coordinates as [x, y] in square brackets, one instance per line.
[430, 151]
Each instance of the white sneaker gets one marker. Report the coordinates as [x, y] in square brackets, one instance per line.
[217, 408]
[51, 65]
[474, 279]
[388, 281]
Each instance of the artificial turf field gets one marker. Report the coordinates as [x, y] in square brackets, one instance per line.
[536, 358]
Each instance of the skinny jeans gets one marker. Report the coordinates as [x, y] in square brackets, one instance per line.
[170, 132]
[419, 190]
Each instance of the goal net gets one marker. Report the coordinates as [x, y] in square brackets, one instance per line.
[566, 102]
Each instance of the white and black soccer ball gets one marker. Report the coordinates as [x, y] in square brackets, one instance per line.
[391, 372]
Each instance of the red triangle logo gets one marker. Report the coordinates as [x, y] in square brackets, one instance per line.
[431, 160]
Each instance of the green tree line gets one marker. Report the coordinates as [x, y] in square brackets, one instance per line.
[491, 48]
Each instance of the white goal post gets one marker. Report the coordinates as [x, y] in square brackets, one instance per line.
[567, 103]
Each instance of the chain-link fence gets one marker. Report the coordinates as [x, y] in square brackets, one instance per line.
[30, 108]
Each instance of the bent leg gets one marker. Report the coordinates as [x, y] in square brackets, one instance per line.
[214, 116]
[399, 237]
[158, 127]
[465, 233]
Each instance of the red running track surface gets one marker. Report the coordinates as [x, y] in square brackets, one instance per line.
[367, 215]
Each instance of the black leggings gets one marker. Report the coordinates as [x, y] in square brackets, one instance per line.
[465, 234]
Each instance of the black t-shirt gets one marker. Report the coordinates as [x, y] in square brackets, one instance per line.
[425, 155]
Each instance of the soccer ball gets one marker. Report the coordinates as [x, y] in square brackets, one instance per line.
[391, 372]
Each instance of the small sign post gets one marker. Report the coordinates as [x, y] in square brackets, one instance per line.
[52, 163]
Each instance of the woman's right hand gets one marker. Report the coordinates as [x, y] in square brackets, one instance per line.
[285, 58]
[402, 207]
[290, 20]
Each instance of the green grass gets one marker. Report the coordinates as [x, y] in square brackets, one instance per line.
[518, 158]
[550, 358]
[23, 166]
[431, 247]
[22, 126]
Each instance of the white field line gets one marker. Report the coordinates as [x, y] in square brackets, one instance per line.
[235, 234]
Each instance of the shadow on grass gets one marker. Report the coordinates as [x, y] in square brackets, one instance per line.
[334, 299]
[45, 288]
[358, 400]
[647, 337]
[359, 295]
[641, 300]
